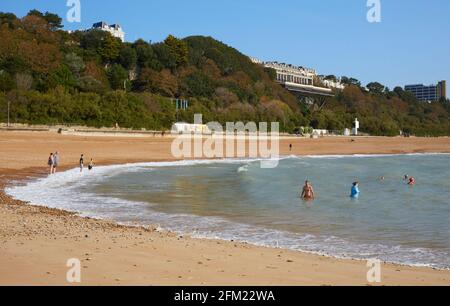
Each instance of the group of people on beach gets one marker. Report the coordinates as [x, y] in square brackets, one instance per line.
[90, 165]
[309, 195]
[54, 160]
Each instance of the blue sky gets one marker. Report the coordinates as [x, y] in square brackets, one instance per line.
[410, 45]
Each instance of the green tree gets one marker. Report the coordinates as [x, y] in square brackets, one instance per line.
[198, 85]
[128, 57]
[117, 76]
[75, 63]
[146, 57]
[166, 59]
[272, 73]
[8, 18]
[35, 13]
[53, 20]
[110, 49]
[63, 77]
[178, 48]
[350, 81]
[92, 40]
[376, 88]
[6, 81]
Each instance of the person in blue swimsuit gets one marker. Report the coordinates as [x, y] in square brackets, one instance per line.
[355, 190]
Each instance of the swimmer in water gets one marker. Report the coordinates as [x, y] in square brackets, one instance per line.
[308, 192]
[355, 190]
[412, 181]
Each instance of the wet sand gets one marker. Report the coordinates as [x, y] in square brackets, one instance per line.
[36, 242]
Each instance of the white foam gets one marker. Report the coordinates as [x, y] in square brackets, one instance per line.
[243, 169]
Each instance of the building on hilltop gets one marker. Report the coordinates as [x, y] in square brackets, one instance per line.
[332, 83]
[300, 79]
[292, 74]
[442, 90]
[430, 93]
[115, 29]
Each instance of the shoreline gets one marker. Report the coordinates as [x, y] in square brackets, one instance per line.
[245, 264]
[162, 230]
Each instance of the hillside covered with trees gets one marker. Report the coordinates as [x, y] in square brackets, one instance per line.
[50, 76]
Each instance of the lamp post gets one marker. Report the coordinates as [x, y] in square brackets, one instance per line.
[9, 106]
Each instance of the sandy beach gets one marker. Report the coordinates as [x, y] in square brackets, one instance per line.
[36, 242]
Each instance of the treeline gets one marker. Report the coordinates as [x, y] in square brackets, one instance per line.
[382, 112]
[50, 76]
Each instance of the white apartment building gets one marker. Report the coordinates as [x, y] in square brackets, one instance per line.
[300, 79]
[296, 79]
[292, 74]
[115, 29]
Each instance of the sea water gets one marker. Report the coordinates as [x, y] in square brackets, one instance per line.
[238, 200]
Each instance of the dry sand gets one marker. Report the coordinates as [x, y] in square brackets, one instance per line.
[36, 242]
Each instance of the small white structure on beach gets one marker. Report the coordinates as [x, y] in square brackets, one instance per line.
[320, 132]
[188, 128]
[355, 130]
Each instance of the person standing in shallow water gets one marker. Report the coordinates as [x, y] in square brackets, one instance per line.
[51, 162]
[355, 191]
[81, 162]
[308, 192]
[55, 161]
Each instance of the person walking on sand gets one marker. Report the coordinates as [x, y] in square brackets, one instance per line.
[355, 191]
[290, 147]
[91, 165]
[55, 161]
[51, 162]
[308, 192]
[81, 162]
